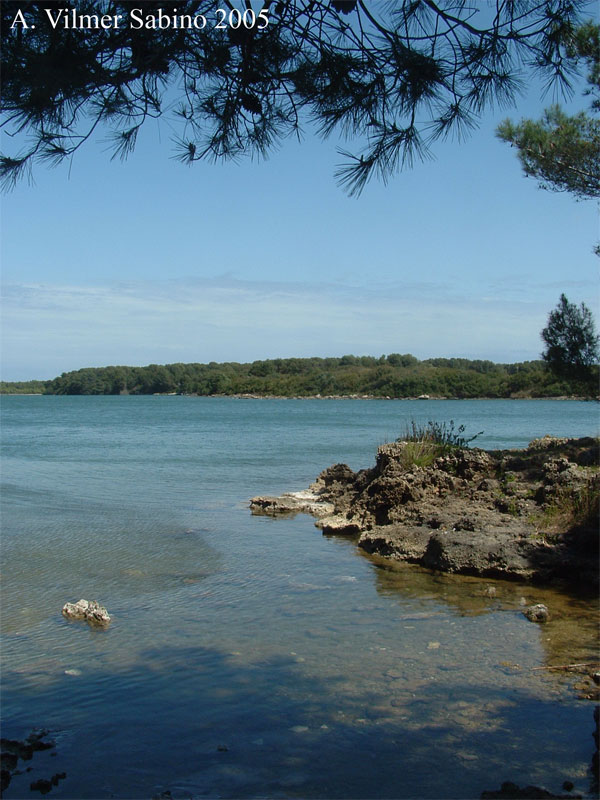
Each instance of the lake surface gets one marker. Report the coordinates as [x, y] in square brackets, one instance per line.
[251, 657]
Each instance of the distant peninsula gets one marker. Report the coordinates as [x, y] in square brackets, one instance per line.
[392, 377]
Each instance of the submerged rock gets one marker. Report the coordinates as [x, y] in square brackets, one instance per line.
[89, 610]
[44, 786]
[510, 791]
[13, 750]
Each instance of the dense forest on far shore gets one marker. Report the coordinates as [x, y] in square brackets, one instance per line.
[392, 376]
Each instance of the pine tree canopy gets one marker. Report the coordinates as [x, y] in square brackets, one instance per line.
[571, 341]
[393, 77]
[563, 151]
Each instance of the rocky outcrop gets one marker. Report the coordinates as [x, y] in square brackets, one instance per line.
[89, 610]
[490, 513]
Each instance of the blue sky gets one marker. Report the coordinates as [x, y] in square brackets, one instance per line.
[150, 261]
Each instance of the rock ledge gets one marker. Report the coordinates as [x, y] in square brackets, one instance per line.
[471, 511]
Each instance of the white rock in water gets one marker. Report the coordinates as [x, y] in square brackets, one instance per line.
[537, 613]
[96, 613]
[89, 610]
[75, 610]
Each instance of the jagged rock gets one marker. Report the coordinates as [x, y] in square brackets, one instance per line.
[89, 610]
[76, 610]
[537, 613]
[338, 473]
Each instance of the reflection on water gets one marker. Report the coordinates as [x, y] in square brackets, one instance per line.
[256, 658]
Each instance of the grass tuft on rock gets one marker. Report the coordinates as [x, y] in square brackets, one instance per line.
[424, 443]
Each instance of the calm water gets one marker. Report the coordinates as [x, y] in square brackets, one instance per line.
[256, 658]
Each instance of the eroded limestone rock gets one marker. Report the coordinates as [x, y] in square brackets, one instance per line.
[306, 502]
[338, 523]
[89, 610]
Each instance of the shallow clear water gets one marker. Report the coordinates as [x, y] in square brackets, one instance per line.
[251, 657]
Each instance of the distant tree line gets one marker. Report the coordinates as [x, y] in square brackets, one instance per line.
[394, 376]
[24, 387]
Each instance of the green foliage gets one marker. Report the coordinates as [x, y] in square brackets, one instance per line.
[397, 360]
[419, 453]
[420, 447]
[562, 151]
[423, 444]
[349, 375]
[23, 387]
[396, 76]
[571, 342]
[585, 47]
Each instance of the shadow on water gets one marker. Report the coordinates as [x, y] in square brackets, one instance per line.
[203, 723]
[198, 720]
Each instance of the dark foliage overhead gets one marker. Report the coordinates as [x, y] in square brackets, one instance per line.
[395, 76]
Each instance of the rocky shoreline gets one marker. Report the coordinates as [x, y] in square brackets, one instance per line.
[527, 515]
